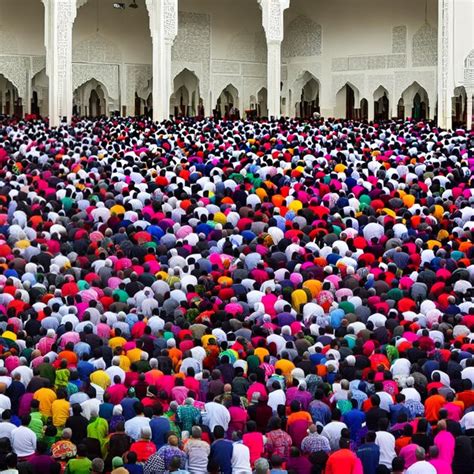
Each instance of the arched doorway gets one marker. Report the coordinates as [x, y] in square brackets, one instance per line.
[401, 109]
[262, 103]
[381, 104]
[459, 107]
[228, 103]
[308, 91]
[138, 105]
[91, 99]
[40, 93]
[149, 105]
[416, 102]
[346, 99]
[10, 102]
[252, 111]
[364, 109]
[95, 105]
[185, 99]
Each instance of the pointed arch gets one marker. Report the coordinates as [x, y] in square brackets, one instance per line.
[305, 93]
[346, 99]
[185, 98]
[381, 100]
[415, 101]
[91, 98]
[228, 102]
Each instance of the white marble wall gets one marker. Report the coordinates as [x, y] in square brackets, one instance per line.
[366, 43]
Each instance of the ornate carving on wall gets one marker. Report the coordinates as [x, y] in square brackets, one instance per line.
[225, 67]
[340, 64]
[170, 18]
[396, 61]
[254, 69]
[425, 46]
[252, 85]
[426, 79]
[248, 45]
[66, 13]
[8, 42]
[358, 63]
[193, 46]
[96, 49]
[297, 72]
[138, 77]
[377, 62]
[362, 63]
[275, 25]
[38, 63]
[107, 74]
[193, 41]
[221, 82]
[15, 68]
[376, 80]
[469, 70]
[357, 80]
[399, 39]
[302, 38]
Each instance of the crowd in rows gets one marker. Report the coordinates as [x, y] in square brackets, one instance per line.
[235, 297]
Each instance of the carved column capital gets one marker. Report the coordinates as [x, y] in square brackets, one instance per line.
[163, 18]
[272, 18]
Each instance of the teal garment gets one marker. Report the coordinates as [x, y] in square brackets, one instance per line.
[123, 296]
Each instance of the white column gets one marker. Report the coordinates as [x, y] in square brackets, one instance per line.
[272, 20]
[371, 109]
[469, 108]
[59, 20]
[29, 94]
[164, 28]
[445, 62]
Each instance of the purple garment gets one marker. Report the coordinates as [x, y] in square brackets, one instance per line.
[42, 463]
[301, 465]
[24, 408]
[304, 397]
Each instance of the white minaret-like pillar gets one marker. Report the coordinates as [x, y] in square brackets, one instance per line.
[59, 20]
[272, 20]
[470, 93]
[164, 28]
[445, 62]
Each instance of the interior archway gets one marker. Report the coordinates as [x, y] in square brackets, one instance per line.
[40, 93]
[416, 102]
[186, 98]
[228, 103]
[262, 102]
[10, 102]
[308, 90]
[91, 99]
[459, 107]
[346, 99]
[401, 109]
[381, 104]
[364, 109]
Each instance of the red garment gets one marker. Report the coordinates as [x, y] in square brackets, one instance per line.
[254, 441]
[342, 461]
[143, 449]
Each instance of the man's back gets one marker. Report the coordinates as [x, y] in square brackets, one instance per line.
[369, 454]
[221, 454]
[421, 467]
[343, 461]
[198, 452]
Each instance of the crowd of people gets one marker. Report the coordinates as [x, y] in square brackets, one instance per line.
[235, 297]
